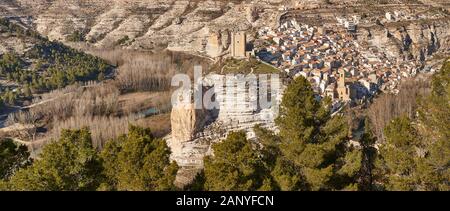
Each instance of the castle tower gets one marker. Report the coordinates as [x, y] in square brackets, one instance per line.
[238, 42]
[214, 44]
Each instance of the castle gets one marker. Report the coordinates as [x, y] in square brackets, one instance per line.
[235, 42]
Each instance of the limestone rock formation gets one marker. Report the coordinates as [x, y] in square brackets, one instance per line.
[239, 107]
[415, 40]
[186, 121]
[183, 25]
[179, 25]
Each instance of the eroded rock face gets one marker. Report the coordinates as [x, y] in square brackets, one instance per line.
[239, 107]
[194, 131]
[179, 25]
[186, 121]
[183, 25]
[412, 41]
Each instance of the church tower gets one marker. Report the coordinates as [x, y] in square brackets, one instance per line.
[343, 89]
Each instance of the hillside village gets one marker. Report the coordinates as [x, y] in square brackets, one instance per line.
[332, 60]
[102, 72]
[347, 57]
[339, 59]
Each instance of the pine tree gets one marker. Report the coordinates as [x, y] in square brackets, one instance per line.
[138, 162]
[71, 163]
[398, 155]
[27, 91]
[237, 165]
[12, 157]
[312, 150]
[369, 153]
[434, 127]
[416, 154]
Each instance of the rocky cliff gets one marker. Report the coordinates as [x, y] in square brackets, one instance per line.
[410, 40]
[187, 25]
[141, 24]
[239, 107]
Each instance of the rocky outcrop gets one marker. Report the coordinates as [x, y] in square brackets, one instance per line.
[238, 107]
[179, 25]
[183, 25]
[186, 122]
[410, 40]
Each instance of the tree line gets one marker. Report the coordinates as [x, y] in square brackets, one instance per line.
[312, 151]
[136, 161]
[47, 65]
[388, 106]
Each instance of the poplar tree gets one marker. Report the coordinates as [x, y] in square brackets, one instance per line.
[416, 154]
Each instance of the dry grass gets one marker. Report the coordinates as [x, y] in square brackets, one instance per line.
[138, 101]
[142, 83]
[159, 124]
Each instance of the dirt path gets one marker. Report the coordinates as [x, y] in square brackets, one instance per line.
[14, 109]
[29, 143]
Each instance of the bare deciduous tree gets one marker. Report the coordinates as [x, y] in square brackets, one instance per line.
[389, 106]
[102, 128]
